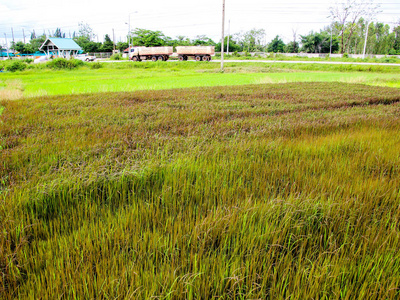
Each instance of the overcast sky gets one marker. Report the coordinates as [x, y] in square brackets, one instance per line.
[173, 17]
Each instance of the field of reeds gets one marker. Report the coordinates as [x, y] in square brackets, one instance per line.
[268, 191]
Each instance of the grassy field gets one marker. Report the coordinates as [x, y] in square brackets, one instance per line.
[128, 76]
[253, 191]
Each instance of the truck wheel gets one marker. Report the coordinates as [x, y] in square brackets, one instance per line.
[181, 58]
[160, 58]
[134, 58]
[198, 58]
[206, 58]
[154, 58]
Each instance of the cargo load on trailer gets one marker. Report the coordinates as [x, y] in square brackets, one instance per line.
[150, 53]
[199, 53]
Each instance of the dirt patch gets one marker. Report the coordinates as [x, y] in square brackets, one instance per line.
[13, 90]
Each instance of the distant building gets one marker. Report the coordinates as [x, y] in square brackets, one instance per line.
[59, 47]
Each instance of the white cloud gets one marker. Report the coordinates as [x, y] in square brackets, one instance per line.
[174, 17]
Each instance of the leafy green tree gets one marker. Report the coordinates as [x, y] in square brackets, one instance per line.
[233, 46]
[85, 38]
[203, 40]
[253, 39]
[316, 42]
[276, 45]
[396, 44]
[346, 15]
[108, 45]
[121, 46]
[37, 42]
[292, 47]
[182, 40]
[148, 38]
[58, 33]
[18, 46]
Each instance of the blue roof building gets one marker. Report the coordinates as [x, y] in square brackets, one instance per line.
[60, 47]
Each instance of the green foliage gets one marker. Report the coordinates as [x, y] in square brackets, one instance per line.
[108, 45]
[121, 46]
[116, 56]
[292, 47]
[88, 45]
[148, 38]
[233, 46]
[203, 40]
[316, 42]
[36, 43]
[62, 63]
[276, 45]
[15, 66]
[96, 65]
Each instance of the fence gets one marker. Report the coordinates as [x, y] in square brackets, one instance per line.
[101, 54]
[310, 55]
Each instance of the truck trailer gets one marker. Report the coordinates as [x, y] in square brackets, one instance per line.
[199, 53]
[150, 53]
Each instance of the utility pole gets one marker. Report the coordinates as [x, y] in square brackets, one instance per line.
[23, 33]
[8, 56]
[229, 33]
[129, 29]
[113, 40]
[223, 37]
[330, 47]
[12, 32]
[365, 42]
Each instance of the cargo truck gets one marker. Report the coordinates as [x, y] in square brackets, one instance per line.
[199, 53]
[153, 53]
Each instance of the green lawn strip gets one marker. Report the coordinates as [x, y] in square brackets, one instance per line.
[128, 76]
[80, 83]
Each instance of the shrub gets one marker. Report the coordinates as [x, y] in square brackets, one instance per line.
[116, 56]
[28, 60]
[96, 65]
[62, 63]
[345, 55]
[16, 66]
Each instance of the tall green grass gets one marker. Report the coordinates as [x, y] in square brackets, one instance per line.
[258, 191]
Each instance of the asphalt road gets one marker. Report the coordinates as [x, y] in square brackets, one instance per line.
[281, 61]
[312, 62]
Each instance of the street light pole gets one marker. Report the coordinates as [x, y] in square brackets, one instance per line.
[229, 33]
[365, 41]
[129, 28]
[8, 56]
[223, 37]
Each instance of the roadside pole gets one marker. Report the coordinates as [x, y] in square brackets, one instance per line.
[223, 37]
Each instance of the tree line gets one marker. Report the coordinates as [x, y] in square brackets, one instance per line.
[339, 37]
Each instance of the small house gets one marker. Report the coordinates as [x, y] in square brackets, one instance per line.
[60, 47]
